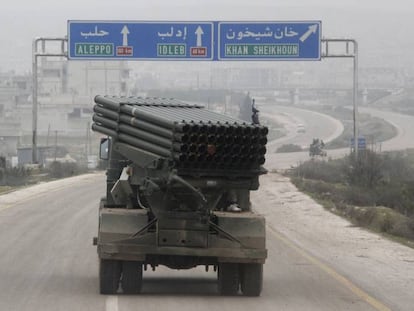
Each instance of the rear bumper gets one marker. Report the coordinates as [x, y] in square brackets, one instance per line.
[121, 251]
[238, 237]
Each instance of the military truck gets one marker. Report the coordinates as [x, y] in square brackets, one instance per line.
[316, 148]
[179, 178]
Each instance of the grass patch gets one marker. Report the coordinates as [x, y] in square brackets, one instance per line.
[5, 189]
[374, 130]
[289, 148]
[379, 219]
[375, 191]
[12, 179]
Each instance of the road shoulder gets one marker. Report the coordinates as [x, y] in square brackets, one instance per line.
[382, 268]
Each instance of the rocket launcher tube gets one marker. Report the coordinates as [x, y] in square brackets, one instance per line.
[146, 146]
[162, 131]
[182, 133]
[128, 109]
[164, 142]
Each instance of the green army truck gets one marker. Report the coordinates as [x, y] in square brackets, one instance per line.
[179, 178]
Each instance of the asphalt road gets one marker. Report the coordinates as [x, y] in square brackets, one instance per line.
[48, 262]
[314, 124]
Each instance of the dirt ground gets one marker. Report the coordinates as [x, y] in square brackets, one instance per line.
[374, 263]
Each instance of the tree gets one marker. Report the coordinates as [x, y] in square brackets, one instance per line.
[366, 169]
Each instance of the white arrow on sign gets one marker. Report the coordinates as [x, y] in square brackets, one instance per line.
[125, 33]
[199, 32]
[312, 29]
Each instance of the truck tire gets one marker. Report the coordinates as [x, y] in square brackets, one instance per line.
[251, 279]
[109, 275]
[228, 279]
[131, 277]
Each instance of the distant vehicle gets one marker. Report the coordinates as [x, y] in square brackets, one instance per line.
[316, 148]
[301, 128]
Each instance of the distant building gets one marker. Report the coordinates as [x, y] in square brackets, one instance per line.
[82, 80]
[24, 154]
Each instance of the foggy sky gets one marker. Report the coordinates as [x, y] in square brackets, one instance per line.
[381, 27]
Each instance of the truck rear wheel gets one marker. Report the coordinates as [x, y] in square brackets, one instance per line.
[109, 275]
[251, 279]
[228, 279]
[131, 277]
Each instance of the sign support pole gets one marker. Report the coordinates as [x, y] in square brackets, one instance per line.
[355, 99]
[35, 55]
[327, 53]
[34, 101]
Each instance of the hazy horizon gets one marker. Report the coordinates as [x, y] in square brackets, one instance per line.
[383, 29]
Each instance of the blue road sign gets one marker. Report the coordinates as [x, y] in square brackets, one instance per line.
[269, 40]
[129, 40]
[362, 143]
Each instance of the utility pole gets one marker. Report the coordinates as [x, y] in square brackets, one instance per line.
[56, 136]
[48, 134]
[87, 142]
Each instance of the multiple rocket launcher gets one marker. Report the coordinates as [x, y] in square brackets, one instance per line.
[188, 135]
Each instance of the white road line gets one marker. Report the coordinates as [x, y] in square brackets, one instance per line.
[111, 303]
[378, 305]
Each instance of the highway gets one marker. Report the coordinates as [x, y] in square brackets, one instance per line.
[317, 261]
[327, 128]
[314, 124]
[48, 263]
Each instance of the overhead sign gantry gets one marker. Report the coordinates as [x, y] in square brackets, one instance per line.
[129, 40]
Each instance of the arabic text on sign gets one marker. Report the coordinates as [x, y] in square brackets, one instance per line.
[178, 33]
[278, 34]
[96, 33]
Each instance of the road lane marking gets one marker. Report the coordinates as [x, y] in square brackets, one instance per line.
[111, 303]
[334, 274]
